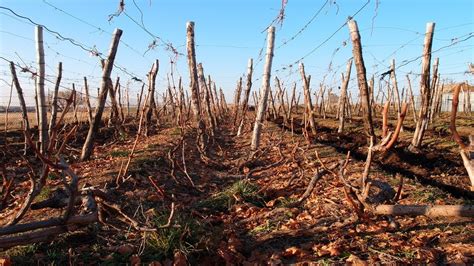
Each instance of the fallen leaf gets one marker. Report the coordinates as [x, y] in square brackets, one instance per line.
[125, 249]
[5, 262]
[292, 251]
[356, 261]
[179, 259]
[135, 260]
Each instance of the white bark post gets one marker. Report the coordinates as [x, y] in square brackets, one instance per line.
[393, 77]
[24, 111]
[151, 92]
[362, 79]
[245, 102]
[88, 102]
[262, 105]
[307, 99]
[105, 85]
[412, 99]
[424, 89]
[342, 103]
[42, 106]
[203, 87]
[54, 104]
[194, 84]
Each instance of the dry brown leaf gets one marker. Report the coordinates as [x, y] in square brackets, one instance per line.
[135, 260]
[179, 259]
[5, 262]
[125, 249]
[356, 261]
[292, 251]
[234, 244]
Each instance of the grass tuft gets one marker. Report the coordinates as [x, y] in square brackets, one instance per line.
[240, 190]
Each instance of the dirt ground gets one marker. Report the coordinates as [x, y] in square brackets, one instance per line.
[243, 211]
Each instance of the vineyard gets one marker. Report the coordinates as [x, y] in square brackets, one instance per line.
[374, 167]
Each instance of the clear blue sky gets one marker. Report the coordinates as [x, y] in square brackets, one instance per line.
[229, 32]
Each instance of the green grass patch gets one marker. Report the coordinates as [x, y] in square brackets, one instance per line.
[267, 227]
[119, 153]
[185, 234]
[224, 200]
[44, 194]
[21, 255]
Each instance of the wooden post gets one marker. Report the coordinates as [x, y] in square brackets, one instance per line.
[172, 102]
[307, 99]
[292, 101]
[42, 105]
[24, 111]
[342, 104]
[54, 104]
[434, 90]
[128, 99]
[272, 101]
[203, 87]
[151, 94]
[281, 99]
[119, 93]
[361, 78]
[238, 92]
[245, 102]
[114, 113]
[194, 85]
[105, 85]
[393, 77]
[222, 99]
[412, 99]
[262, 105]
[88, 102]
[424, 89]
[139, 101]
[75, 103]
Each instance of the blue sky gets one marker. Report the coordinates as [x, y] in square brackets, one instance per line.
[229, 32]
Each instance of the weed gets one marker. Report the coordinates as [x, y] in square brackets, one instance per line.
[182, 235]
[119, 153]
[224, 200]
[286, 202]
[44, 194]
[175, 131]
[53, 176]
[22, 255]
[264, 228]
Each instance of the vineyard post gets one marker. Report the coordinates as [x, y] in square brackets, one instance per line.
[412, 99]
[105, 85]
[393, 77]
[203, 87]
[194, 85]
[88, 102]
[342, 103]
[307, 99]
[361, 78]
[24, 111]
[42, 105]
[262, 105]
[434, 90]
[114, 113]
[151, 94]
[54, 104]
[424, 89]
[245, 102]
[238, 92]
[139, 100]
